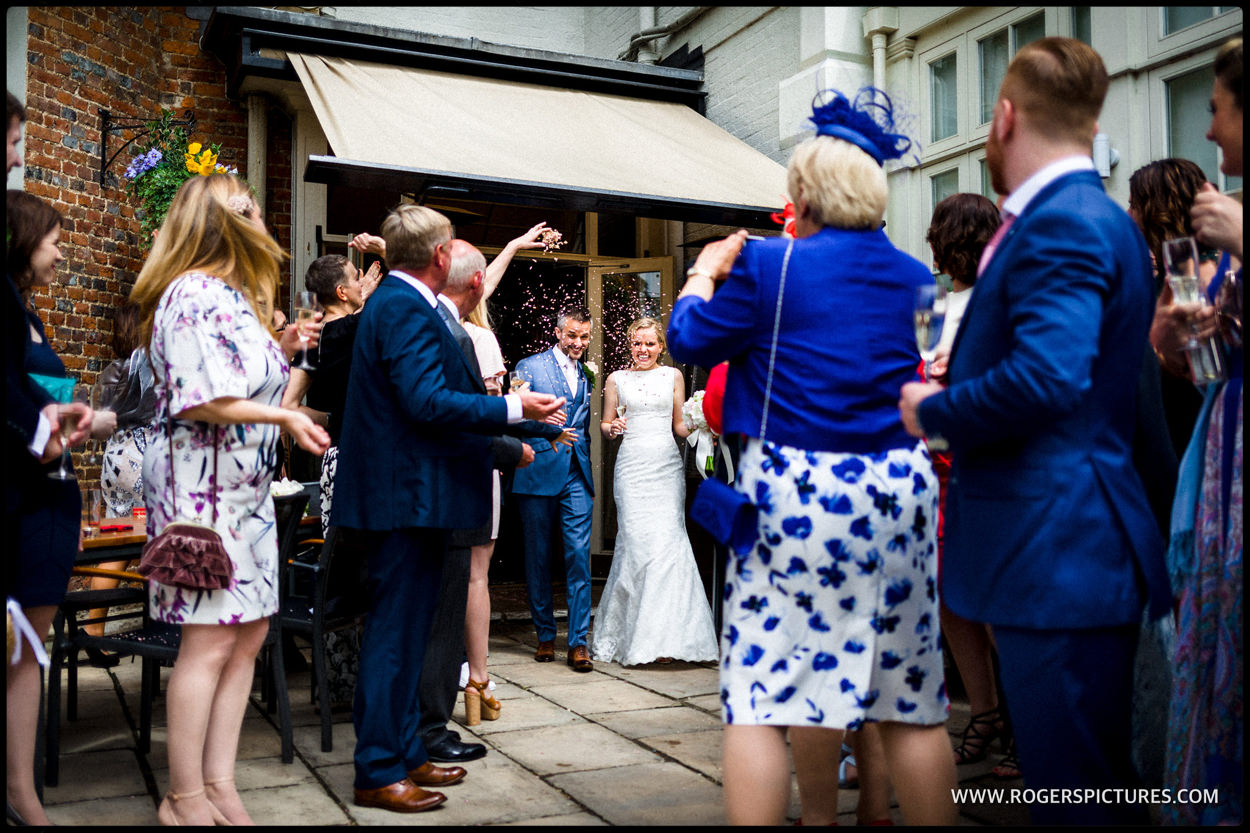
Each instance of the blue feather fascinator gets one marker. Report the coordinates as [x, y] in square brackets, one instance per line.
[866, 122]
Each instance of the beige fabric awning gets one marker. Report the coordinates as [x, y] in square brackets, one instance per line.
[657, 158]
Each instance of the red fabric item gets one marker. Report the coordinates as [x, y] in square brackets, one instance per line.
[714, 397]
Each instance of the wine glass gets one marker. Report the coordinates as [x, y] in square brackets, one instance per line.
[928, 318]
[306, 308]
[68, 416]
[103, 398]
[520, 380]
[1180, 263]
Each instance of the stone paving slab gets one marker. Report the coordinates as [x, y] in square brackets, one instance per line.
[678, 680]
[529, 674]
[555, 749]
[601, 695]
[664, 794]
[109, 774]
[133, 811]
[527, 712]
[701, 751]
[657, 721]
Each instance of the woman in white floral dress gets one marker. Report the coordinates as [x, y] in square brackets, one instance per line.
[220, 375]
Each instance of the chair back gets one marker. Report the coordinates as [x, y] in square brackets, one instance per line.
[288, 511]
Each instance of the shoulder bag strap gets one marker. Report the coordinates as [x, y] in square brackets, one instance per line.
[772, 354]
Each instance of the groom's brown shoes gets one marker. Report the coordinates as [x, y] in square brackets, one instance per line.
[401, 797]
[579, 659]
[546, 652]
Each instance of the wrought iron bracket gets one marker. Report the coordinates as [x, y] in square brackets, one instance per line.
[110, 124]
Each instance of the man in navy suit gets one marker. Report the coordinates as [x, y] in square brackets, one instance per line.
[559, 487]
[414, 463]
[1050, 538]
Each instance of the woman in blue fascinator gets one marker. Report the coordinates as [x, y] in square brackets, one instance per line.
[831, 617]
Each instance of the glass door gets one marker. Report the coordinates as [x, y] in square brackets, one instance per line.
[619, 292]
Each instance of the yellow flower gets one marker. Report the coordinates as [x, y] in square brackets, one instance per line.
[191, 165]
[193, 148]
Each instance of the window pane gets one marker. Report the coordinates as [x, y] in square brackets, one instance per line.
[942, 82]
[1027, 31]
[943, 185]
[994, 59]
[1176, 18]
[987, 190]
[1187, 97]
[1082, 29]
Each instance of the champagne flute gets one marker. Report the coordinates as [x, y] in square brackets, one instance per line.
[68, 416]
[1180, 263]
[928, 318]
[102, 399]
[306, 308]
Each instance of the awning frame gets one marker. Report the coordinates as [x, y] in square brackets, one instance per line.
[330, 170]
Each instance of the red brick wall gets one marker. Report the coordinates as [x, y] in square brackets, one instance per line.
[130, 61]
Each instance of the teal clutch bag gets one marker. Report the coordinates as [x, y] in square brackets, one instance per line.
[60, 388]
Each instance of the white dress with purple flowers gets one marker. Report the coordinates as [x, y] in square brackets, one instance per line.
[831, 619]
[206, 338]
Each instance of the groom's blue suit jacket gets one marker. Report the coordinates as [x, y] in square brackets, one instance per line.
[1047, 522]
[550, 470]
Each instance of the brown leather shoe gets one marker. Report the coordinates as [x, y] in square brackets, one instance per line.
[429, 775]
[400, 797]
[579, 659]
[546, 652]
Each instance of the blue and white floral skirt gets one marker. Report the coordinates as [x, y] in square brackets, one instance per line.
[831, 619]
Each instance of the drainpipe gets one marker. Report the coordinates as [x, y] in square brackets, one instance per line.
[879, 23]
[654, 33]
[646, 49]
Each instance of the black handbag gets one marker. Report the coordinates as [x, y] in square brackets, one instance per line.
[727, 514]
[187, 554]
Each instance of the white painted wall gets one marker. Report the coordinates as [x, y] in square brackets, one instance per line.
[15, 32]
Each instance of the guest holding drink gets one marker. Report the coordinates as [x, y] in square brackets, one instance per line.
[127, 393]
[831, 618]
[1206, 725]
[205, 295]
[47, 508]
[653, 606]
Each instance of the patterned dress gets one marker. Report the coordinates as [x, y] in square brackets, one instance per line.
[831, 619]
[210, 344]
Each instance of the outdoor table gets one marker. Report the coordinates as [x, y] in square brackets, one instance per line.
[127, 544]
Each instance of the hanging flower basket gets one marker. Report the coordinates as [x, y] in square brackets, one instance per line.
[168, 159]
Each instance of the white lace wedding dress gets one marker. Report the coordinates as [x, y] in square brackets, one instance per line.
[653, 604]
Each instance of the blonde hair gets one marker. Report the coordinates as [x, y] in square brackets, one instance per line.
[644, 323]
[480, 316]
[412, 233]
[844, 186]
[208, 229]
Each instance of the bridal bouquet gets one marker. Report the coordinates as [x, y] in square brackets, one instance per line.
[169, 159]
[700, 433]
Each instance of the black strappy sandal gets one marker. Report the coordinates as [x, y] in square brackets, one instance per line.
[980, 732]
[1009, 767]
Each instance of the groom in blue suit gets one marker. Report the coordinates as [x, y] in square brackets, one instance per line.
[414, 463]
[559, 487]
[1049, 536]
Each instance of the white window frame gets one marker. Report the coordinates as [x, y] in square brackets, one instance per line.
[1158, 83]
[1050, 26]
[1159, 45]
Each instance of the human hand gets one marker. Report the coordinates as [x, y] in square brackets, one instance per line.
[103, 424]
[530, 240]
[291, 343]
[568, 437]
[369, 280]
[540, 406]
[938, 366]
[53, 448]
[558, 418]
[718, 258]
[617, 426]
[310, 436]
[910, 397]
[369, 243]
[83, 429]
[1217, 220]
[527, 456]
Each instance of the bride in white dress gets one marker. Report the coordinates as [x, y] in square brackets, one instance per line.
[653, 605]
